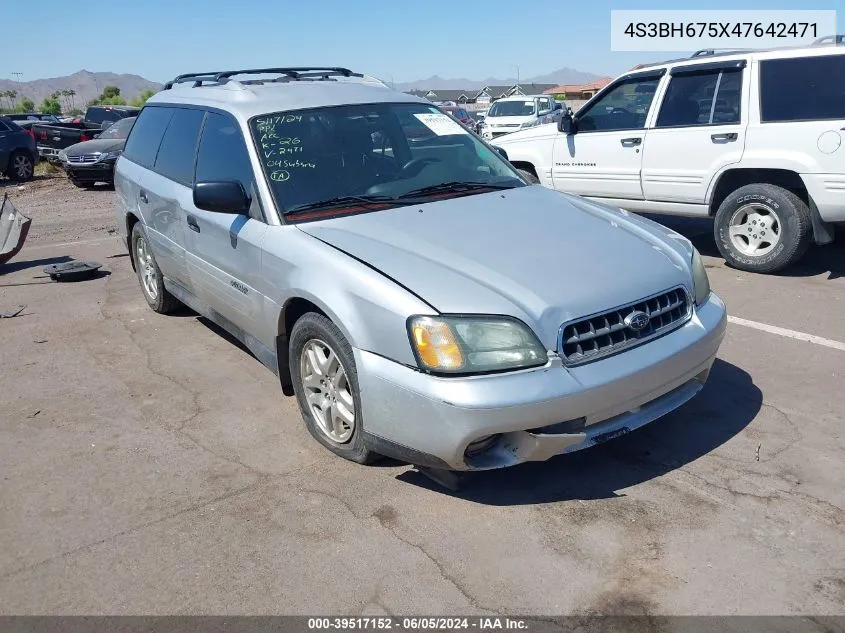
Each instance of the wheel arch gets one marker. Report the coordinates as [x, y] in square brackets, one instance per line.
[131, 221]
[733, 178]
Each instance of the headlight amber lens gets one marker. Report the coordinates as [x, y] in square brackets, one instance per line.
[471, 344]
[701, 283]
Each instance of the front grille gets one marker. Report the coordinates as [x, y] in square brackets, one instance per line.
[495, 134]
[600, 335]
[83, 158]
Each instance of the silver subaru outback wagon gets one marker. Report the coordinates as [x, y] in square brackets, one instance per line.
[416, 295]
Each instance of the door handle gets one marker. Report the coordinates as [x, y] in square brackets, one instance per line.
[192, 224]
[730, 136]
[143, 196]
[631, 142]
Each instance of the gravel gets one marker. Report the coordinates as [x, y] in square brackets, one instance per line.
[60, 211]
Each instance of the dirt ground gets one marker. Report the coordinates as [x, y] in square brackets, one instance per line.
[150, 465]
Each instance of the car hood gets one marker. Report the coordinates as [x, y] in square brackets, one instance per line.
[539, 255]
[544, 130]
[508, 120]
[97, 146]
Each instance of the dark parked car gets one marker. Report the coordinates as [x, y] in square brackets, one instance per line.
[461, 115]
[93, 161]
[57, 136]
[18, 154]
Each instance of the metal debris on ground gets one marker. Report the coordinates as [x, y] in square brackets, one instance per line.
[14, 227]
[12, 314]
[72, 271]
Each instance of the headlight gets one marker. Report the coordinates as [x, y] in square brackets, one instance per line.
[109, 156]
[700, 282]
[473, 344]
[63, 156]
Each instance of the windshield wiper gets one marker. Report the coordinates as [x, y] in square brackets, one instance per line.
[339, 201]
[456, 187]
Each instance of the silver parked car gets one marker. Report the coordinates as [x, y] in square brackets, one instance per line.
[419, 298]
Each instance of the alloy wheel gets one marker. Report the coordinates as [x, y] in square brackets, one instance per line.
[327, 391]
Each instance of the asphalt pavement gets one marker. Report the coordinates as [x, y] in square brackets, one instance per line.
[149, 464]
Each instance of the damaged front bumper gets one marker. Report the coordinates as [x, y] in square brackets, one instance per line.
[14, 227]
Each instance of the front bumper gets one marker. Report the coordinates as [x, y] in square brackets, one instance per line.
[434, 420]
[90, 172]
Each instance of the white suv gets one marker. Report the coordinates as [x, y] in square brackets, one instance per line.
[753, 139]
[514, 113]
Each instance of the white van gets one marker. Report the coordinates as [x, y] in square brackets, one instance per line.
[753, 139]
[513, 113]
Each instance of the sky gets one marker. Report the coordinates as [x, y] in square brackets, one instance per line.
[396, 40]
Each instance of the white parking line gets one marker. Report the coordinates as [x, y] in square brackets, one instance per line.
[61, 244]
[800, 336]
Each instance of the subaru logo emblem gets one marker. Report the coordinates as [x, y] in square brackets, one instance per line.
[637, 321]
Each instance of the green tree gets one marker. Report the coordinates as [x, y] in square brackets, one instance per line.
[26, 105]
[75, 112]
[110, 91]
[116, 100]
[51, 106]
[141, 99]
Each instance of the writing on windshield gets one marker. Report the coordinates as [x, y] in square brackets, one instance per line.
[370, 151]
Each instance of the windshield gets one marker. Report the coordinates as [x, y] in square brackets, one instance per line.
[395, 154]
[512, 108]
[120, 129]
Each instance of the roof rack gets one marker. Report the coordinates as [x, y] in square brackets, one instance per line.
[298, 73]
[707, 52]
[829, 39]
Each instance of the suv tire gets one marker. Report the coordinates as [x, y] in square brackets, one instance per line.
[530, 177]
[149, 275]
[762, 228]
[21, 167]
[325, 381]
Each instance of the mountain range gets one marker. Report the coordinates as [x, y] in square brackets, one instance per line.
[558, 77]
[87, 85]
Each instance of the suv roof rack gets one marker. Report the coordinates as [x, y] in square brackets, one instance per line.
[296, 73]
[707, 52]
[829, 39]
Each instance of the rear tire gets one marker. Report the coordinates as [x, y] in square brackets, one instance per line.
[21, 167]
[762, 228]
[529, 176]
[149, 275]
[325, 381]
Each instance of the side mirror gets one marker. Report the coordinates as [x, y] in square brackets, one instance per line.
[568, 124]
[501, 152]
[224, 196]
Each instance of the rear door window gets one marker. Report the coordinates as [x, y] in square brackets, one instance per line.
[178, 148]
[802, 89]
[145, 137]
[702, 98]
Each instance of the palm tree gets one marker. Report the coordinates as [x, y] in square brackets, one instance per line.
[13, 96]
[72, 93]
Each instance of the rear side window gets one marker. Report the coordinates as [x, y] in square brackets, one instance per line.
[176, 153]
[142, 144]
[707, 98]
[802, 89]
[98, 115]
[222, 153]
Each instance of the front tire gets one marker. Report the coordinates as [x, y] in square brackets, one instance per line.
[325, 381]
[762, 228]
[529, 176]
[149, 275]
[21, 167]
